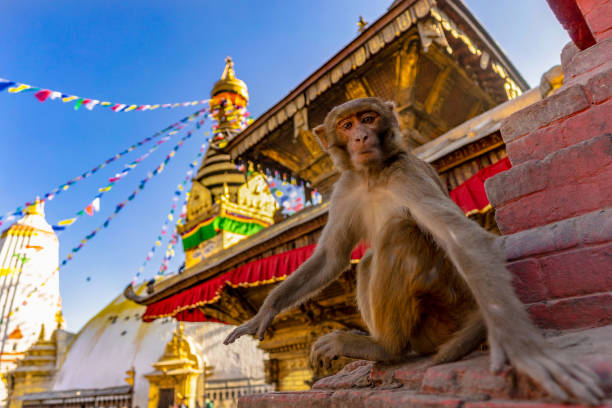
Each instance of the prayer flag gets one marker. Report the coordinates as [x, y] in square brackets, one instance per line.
[118, 107]
[55, 95]
[4, 83]
[19, 88]
[96, 204]
[78, 103]
[68, 98]
[42, 95]
[66, 222]
[89, 210]
[90, 105]
[130, 108]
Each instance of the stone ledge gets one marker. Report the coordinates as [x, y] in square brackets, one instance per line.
[565, 166]
[557, 106]
[460, 384]
[586, 229]
[595, 121]
[587, 60]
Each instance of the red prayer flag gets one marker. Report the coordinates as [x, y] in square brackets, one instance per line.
[42, 95]
[89, 209]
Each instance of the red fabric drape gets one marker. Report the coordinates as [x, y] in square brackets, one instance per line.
[470, 195]
[184, 305]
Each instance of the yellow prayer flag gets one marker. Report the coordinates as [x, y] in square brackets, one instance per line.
[19, 88]
[157, 243]
[170, 217]
[69, 98]
[130, 108]
[154, 107]
[106, 103]
[67, 221]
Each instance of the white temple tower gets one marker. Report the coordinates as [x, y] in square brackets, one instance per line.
[29, 286]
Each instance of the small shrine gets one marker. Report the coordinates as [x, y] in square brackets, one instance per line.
[35, 372]
[176, 373]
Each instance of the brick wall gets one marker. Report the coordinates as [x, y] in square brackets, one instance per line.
[555, 204]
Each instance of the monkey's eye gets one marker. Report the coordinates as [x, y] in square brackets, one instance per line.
[368, 119]
[346, 125]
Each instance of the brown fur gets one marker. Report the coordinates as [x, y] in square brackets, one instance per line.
[432, 279]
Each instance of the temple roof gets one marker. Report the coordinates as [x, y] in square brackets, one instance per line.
[474, 47]
[77, 393]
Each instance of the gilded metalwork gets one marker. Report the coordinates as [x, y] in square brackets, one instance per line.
[178, 369]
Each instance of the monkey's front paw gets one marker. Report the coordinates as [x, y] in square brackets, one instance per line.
[326, 349]
[551, 368]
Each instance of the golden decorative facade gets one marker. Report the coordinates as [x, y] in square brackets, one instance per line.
[34, 373]
[174, 380]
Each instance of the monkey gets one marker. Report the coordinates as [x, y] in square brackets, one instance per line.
[432, 282]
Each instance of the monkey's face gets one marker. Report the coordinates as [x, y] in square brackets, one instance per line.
[359, 133]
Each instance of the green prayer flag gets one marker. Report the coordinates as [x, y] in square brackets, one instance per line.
[78, 103]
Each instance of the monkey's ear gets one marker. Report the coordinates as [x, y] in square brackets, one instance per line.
[322, 136]
[390, 105]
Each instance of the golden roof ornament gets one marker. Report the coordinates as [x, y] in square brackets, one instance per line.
[229, 98]
[362, 24]
[229, 82]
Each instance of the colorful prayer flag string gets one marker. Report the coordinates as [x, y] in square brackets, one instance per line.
[117, 209]
[95, 204]
[163, 267]
[168, 219]
[122, 204]
[89, 103]
[175, 127]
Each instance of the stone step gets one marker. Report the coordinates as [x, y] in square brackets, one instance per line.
[460, 384]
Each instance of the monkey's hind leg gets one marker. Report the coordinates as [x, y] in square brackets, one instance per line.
[346, 344]
[464, 341]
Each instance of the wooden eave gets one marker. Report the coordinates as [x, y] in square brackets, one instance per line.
[455, 7]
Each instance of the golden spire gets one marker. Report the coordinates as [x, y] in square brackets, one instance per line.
[362, 24]
[228, 72]
[41, 336]
[229, 82]
[59, 319]
[38, 208]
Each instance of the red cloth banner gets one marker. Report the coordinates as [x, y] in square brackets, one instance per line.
[184, 305]
[470, 195]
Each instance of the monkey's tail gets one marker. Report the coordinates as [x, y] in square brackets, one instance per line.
[464, 341]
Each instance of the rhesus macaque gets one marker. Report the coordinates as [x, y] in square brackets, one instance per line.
[433, 281]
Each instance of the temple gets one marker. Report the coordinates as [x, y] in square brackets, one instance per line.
[29, 286]
[116, 360]
[225, 204]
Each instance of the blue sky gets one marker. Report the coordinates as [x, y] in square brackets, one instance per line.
[147, 52]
